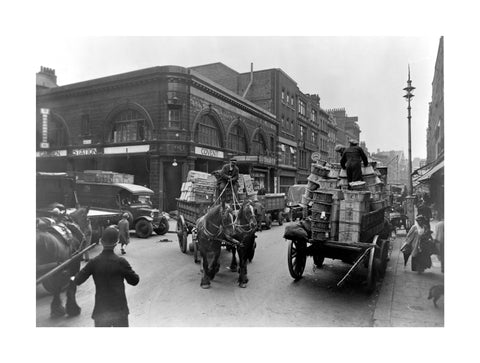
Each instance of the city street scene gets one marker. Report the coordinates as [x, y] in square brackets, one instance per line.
[241, 182]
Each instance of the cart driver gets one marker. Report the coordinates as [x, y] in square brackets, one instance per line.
[228, 173]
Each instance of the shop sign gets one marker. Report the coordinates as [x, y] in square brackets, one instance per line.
[51, 153]
[209, 152]
[126, 149]
[82, 152]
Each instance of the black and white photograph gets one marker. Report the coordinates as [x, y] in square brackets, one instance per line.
[243, 190]
[234, 184]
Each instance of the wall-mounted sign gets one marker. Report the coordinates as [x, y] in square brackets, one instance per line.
[316, 156]
[45, 112]
[87, 142]
[126, 149]
[51, 153]
[86, 151]
[209, 152]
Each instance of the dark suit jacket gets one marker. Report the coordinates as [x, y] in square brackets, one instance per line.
[225, 173]
[108, 271]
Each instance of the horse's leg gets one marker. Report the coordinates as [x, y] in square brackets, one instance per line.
[56, 307]
[71, 306]
[233, 264]
[215, 265]
[242, 272]
[205, 283]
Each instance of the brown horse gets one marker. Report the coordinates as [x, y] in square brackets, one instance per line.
[245, 227]
[212, 229]
[56, 243]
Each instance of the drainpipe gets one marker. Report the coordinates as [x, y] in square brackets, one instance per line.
[251, 81]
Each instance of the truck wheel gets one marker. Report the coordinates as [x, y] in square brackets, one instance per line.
[162, 227]
[143, 228]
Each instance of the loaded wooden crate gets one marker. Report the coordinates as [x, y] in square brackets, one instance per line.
[322, 197]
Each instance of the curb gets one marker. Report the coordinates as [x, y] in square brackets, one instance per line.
[383, 307]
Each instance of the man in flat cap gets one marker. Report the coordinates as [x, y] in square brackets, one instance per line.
[109, 271]
[229, 173]
[352, 159]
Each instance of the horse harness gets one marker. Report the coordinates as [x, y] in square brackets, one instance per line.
[202, 226]
[65, 231]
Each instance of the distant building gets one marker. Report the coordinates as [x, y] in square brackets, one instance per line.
[397, 165]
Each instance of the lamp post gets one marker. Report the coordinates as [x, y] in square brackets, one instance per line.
[410, 206]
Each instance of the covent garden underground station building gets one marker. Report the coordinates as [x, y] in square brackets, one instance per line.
[156, 124]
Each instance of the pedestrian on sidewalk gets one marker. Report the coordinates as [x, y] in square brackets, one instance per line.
[109, 271]
[439, 238]
[419, 242]
[124, 232]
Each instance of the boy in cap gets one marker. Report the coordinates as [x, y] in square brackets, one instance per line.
[109, 271]
[352, 159]
[124, 232]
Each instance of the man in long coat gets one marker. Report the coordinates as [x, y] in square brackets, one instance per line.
[109, 271]
[124, 232]
[352, 159]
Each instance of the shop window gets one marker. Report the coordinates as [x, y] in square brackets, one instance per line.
[130, 125]
[237, 140]
[207, 132]
[57, 133]
[174, 117]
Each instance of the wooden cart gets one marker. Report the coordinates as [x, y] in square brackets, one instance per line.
[371, 253]
[188, 213]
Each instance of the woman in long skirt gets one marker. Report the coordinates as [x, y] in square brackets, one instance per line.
[420, 242]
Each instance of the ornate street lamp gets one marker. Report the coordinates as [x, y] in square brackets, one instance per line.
[410, 209]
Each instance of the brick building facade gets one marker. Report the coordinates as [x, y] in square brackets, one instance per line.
[156, 123]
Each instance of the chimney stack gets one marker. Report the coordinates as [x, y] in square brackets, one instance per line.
[46, 78]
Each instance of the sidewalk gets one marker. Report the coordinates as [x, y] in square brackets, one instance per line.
[402, 300]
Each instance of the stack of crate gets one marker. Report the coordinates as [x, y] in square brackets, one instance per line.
[352, 209]
[376, 187]
[199, 187]
[322, 202]
[318, 180]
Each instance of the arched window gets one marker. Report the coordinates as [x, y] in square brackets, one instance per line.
[207, 132]
[130, 125]
[259, 146]
[237, 140]
[57, 135]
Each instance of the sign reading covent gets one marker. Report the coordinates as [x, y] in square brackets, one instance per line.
[209, 152]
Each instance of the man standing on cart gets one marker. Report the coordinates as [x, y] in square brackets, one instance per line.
[352, 159]
[229, 173]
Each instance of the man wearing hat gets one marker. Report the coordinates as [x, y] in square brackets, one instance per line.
[124, 232]
[352, 158]
[109, 271]
[228, 173]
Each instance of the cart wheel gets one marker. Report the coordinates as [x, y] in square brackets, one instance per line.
[182, 234]
[318, 260]
[383, 257]
[297, 258]
[371, 275]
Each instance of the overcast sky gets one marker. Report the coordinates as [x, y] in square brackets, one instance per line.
[366, 75]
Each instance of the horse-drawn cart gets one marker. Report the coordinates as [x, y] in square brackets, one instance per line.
[372, 254]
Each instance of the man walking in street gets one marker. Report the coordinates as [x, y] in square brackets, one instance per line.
[124, 232]
[352, 159]
[109, 271]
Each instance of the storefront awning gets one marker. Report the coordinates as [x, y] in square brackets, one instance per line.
[430, 173]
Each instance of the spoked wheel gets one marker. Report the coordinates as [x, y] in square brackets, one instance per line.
[297, 257]
[182, 233]
[371, 275]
